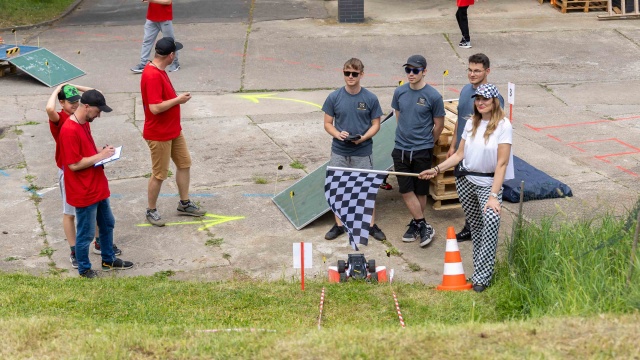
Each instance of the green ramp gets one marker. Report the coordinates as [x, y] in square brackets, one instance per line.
[308, 202]
[46, 67]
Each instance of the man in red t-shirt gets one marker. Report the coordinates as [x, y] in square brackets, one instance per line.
[163, 132]
[86, 184]
[463, 22]
[69, 98]
[159, 19]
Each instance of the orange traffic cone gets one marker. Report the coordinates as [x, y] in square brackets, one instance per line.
[453, 275]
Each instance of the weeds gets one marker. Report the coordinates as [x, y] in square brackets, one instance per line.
[260, 180]
[297, 165]
[214, 242]
[47, 251]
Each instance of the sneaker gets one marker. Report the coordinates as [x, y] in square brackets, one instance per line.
[464, 234]
[175, 66]
[478, 288]
[153, 217]
[465, 44]
[410, 235]
[334, 232]
[117, 264]
[138, 68]
[426, 233]
[74, 261]
[386, 186]
[96, 249]
[190, 209]
[89, 274]
[377, 233]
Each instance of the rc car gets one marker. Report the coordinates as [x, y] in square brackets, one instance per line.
[357, 267]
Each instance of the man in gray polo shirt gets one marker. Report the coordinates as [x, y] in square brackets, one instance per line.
[352, 117]
[420, 114]
[477, 73]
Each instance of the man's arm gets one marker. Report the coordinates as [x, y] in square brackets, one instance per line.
[438, 126]
[86, 162]
[331, 129]
[168, 104]
[375, 127]
[51, 104]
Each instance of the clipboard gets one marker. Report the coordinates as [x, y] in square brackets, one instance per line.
[113, 157]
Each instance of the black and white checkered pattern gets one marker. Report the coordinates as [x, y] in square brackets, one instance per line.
[484, 228]
[351, 194]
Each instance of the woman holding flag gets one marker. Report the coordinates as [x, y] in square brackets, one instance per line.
[484, 161]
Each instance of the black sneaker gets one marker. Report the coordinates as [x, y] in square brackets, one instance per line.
[425, 233]
[377, 233]
[464, 234]
[478, 288]
[74, 261]
[410, 235]
[89, 274]
[96, 249]
[117, 264]
[334, 232]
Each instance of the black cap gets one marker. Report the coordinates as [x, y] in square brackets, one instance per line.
[416, 61]
[95, 98]
[167, 45]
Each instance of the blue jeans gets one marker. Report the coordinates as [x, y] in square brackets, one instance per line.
[151, 31]
[86, 218]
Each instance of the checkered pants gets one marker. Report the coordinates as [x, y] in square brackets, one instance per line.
[484, 228]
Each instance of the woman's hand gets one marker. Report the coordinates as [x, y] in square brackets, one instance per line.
[494, 204]
[427, 174]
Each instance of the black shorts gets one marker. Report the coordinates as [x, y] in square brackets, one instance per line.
[415, 162]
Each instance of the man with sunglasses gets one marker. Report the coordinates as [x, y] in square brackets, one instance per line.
[352, 117]
[68, 96]
[420, 114]
[87, 186]
[163, 132]
[477, 73]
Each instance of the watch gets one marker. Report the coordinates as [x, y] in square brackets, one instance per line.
[493, 195]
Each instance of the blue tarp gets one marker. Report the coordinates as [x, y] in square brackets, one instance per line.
[537, 185]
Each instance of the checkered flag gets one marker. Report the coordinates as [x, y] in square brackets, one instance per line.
[351, 194]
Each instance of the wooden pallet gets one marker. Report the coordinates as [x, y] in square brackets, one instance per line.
[4, 66]
[446, 204]
[444, 188]
[584, 5]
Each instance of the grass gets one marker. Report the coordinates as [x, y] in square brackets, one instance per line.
[260, 180]
[297, 165]
[214, 242]
[559, 292]
[27, 12]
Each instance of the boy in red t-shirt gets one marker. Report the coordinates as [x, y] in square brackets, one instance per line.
[159, 19]
[69, 98]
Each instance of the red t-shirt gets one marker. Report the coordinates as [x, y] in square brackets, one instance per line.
[159, 12]
[465, 2]
[55, 131]
[87, 186]
[156, 88]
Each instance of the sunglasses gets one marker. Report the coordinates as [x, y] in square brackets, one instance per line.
[355, 74]
[415, 71]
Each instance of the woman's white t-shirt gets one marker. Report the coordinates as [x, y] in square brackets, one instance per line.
[483, 158]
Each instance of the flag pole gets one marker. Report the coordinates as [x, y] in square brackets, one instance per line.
[397, 173]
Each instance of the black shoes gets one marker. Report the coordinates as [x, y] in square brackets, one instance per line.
[334, 232]
[89, 274]
[479, 288]
[117, 264]
[464, 234]
[377, 233]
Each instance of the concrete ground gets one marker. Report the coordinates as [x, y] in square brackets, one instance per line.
[576, 117]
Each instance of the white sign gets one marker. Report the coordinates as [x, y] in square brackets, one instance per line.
[511, 94]
[308, 260]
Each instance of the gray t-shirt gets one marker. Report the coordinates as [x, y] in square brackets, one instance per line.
[417, 110]
[353, 114]
[465, 109]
